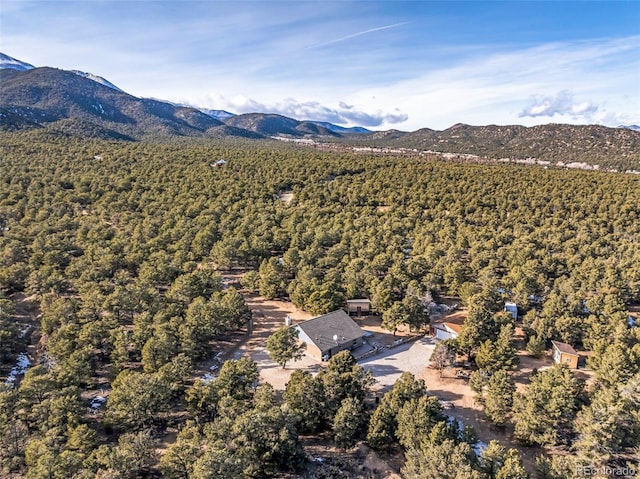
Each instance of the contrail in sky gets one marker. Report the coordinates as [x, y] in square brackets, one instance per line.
[354, 35]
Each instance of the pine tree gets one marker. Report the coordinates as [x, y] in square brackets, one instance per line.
[384, 422]
[348, 422]
[178, 461]
[305, 397]
[500, 354]
[271, 282]
[544, 413]
[446, 460]
[498, 399]
[603, 426]
[536, 347]
[512, 467]
[416, 419]
[283, 346]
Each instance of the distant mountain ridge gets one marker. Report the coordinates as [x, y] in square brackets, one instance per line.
[270, 124]
[593, 144]
[116, 119]
[221, 115]
[87, 105]
[97, 79]
[47, 96]
[12, 63]
[341, 129]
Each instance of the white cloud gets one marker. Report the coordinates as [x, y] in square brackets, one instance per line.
[497, 87]
[343, 114]
[562, 104]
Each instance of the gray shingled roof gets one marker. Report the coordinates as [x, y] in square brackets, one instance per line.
[564, 348]
[322, 329]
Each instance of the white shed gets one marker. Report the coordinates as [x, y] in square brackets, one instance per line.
[513, 309]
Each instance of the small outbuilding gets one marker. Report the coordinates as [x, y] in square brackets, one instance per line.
[359, 307]
[329, 334]
[445, 330]
[447, 327]
[563, 353]
[513, 309]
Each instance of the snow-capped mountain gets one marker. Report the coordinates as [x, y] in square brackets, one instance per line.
[340, 129]
[630, 127]
[9, 62]
[221, 115]
[14, 64]
[293, 127]
[96, 78]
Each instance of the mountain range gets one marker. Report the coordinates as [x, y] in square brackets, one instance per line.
[87, 105]
[75, 101]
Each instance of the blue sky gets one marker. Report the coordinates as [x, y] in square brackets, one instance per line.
[389, 64]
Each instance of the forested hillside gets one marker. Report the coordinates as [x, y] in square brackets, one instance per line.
[120, 244]
[608, 148]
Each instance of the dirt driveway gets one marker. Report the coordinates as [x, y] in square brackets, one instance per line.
[387, 366]
[268, 316]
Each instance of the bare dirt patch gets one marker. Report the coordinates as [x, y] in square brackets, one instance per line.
[527, 365]
[268, 316]
[360, 462]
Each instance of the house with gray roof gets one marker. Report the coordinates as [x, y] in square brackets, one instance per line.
[330, 333]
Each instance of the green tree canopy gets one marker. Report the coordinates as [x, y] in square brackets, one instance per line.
[283, 345]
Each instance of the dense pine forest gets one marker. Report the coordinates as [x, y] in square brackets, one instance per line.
[117, 248]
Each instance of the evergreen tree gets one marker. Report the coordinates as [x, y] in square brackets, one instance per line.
[394, 317]
[536, 347]
[604, 426]
[479, 326]
[131, 457]
[179, 459]
[202, 400]
[341, 379]
[498, 399]
[500, 354]
[237, 379]
[512, 467]
[283, 346]
[416, 419]
[305, 398]
[271, 282]
[446, 460]
[136, 400]
[384, 421]
[492, 459]
[348, 422]
[543, 414]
